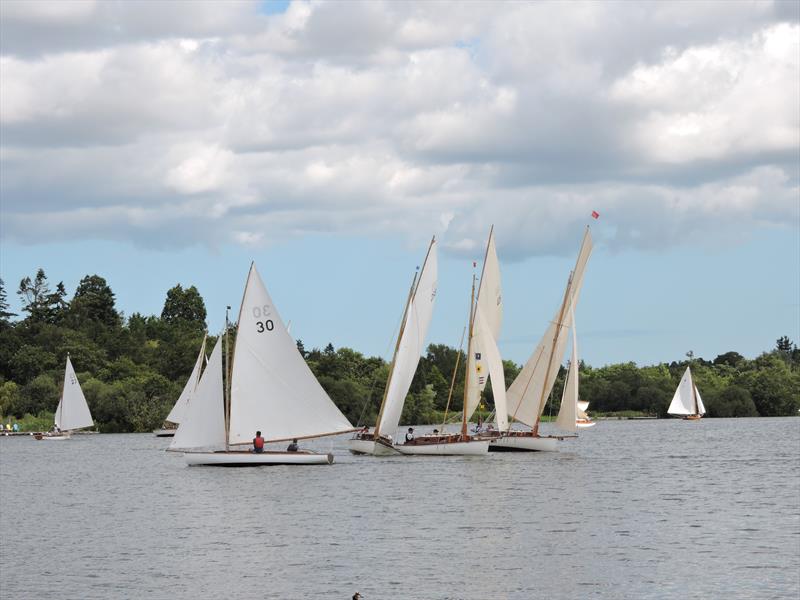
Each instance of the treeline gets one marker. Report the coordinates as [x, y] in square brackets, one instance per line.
[133, 368]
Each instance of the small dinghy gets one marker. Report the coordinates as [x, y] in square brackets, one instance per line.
[72, 412]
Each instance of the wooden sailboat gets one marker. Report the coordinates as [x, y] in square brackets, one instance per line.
[687, 403]
[72, 412]
[174, 417]
[485, 317]
[410, 345]
[527, 395]
[270, 388]
[583, 421]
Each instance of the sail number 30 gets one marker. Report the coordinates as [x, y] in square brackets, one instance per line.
[266, 324]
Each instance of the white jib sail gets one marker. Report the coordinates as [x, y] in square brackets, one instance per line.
[701, 409]
[527, 395]
[583, 406]
[203, 423]
[568, 412]
[272, 388]
[683, 400]
[177, 412]
[412, 343]
[484, 360]
[72, 411]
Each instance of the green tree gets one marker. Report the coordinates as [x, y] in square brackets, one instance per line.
[5, 314]
[31, 361]
[94, 301]
[185, 306]
[41, 304]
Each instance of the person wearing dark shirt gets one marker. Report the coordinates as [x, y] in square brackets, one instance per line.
[292, 447]
[258, 443]
[410, 434]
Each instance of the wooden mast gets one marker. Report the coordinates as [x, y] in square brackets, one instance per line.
[557, 333]
[231, 358]
[694, 394]
[464, 415]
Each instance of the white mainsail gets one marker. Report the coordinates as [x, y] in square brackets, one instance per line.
[72, 411]
[410, 345]
[583, 406]
[527, 395]
[683, 402]
[484, 360]
[272, 388]
[568, 412]
[177, 412]
[203, 423]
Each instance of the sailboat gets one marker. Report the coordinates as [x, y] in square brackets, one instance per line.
[687, 403]
[72, 412]
[410, 344]
[583, 421]
[485, 317]
[270, 388]
[174, 417]
[527, 395]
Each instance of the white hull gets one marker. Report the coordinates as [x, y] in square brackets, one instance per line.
[252, 459]
[371, 448]
[585, 424]
[164, 432]
[53, 438]
[472, 448]
[526, 443]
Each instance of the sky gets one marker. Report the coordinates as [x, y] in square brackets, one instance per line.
[175, 142]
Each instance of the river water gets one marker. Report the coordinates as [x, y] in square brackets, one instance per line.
[631, 509]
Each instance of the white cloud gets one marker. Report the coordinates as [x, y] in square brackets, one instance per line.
[409, 118]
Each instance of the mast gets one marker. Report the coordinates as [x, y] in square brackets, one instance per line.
[694, 394]
[469, 350]
[61, 403]
[550, 358]
[230, 362]
[483, 268]
[411, 293]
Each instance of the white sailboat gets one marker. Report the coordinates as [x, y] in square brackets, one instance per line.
[409, 347]
[174, 417]
[72, 412]
[687, 403]
[527, 395]
[485, 318]
[583, 421]
[271, 389]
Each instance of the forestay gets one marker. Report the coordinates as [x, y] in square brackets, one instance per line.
[72, 411]
[272, 388]
[683, 402]
[177, 412]
[527, 395]
[203, 423]
[568, 412]
[411, 344]
[484, 360]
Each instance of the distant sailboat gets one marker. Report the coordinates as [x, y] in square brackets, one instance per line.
[527, 395]
[174, 417]
[271, 389]
[687, 403]
[409, 347]
[572, 413]
[72, 412]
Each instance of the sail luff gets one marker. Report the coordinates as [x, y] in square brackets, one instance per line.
[464, 415]
[179, 409]
[232, 358]
[411, 291]
[568, 411]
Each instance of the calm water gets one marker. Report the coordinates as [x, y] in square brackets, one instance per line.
[647, 509]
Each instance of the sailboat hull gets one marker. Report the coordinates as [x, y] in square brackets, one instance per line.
[585, 424]
[252, 459]
[524, 443]
[371, 447]
[164, 432]
[443, 448]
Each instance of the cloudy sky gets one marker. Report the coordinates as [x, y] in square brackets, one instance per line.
[157, 143]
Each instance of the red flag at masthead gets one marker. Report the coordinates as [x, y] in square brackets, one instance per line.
[595, 214]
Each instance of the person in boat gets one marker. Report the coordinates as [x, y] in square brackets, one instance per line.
[410, 434]
[293, 446]
[364, 433]
[356, 596]
[258, 443]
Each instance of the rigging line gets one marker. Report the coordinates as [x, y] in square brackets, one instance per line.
[368, 399]
[453, 380]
